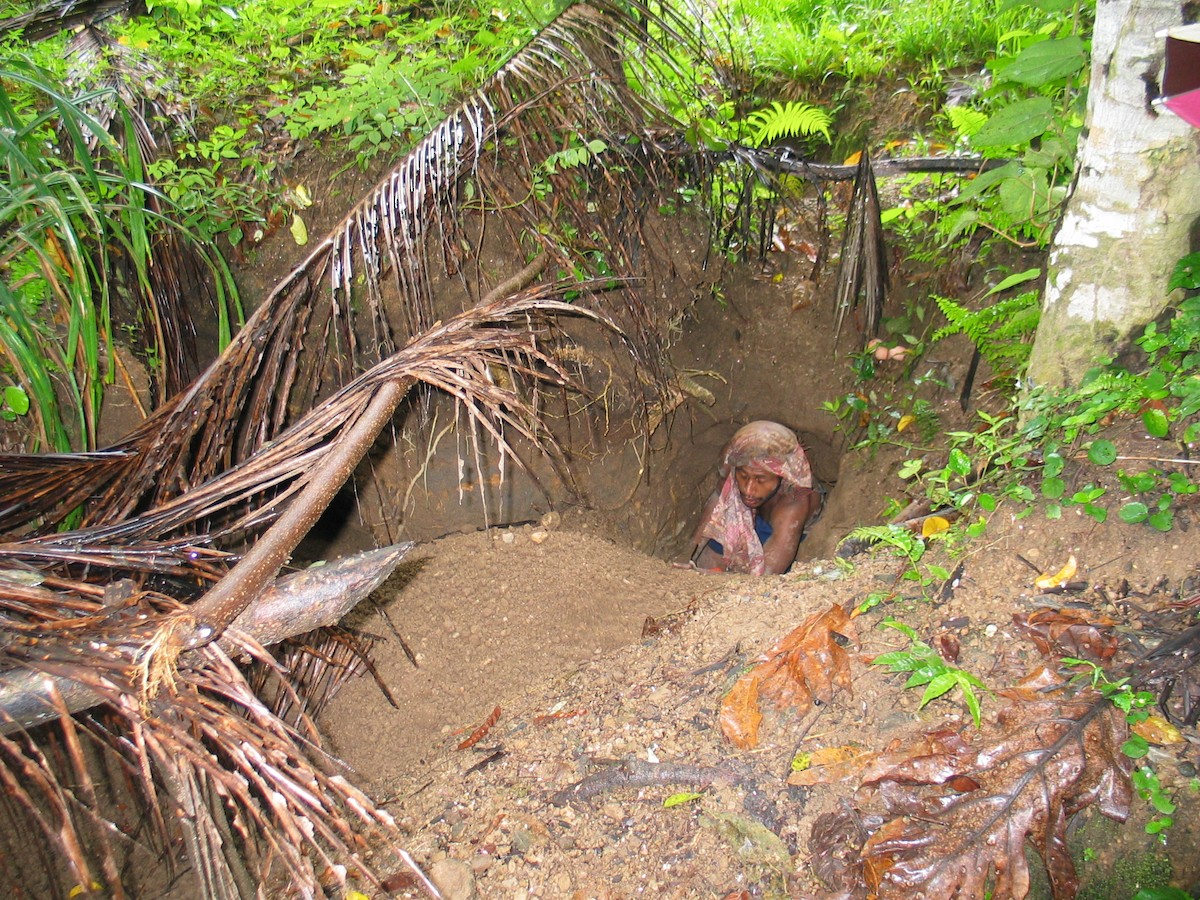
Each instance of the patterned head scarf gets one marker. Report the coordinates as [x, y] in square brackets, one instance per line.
[763, 447]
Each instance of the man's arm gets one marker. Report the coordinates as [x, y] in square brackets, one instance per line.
[787, 524]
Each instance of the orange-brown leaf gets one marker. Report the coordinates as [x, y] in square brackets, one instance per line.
[1067, 632]
[478, 734]
[740, 715]
[809, 663]
[956, 818]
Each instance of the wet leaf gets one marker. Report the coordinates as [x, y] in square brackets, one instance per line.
[1068, 632]
[1158, 730]
[948, 818]
[809, 664]
[832, 764]
[1062, 576]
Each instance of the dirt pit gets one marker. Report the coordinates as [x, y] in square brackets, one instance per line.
[602, 671]
[555, 684]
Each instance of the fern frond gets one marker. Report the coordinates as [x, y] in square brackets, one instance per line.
[1000, 330]
[784, 120]
[965, 120]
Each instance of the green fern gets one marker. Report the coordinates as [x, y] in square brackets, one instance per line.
[784, 120]
[1001, 331]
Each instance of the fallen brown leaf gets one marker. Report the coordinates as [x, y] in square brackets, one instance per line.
[808, 664]
[1068, 632]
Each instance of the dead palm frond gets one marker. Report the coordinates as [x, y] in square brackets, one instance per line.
[863, 270]
[207, 499]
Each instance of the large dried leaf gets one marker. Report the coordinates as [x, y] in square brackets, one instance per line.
[951, 818]
[808, 665]
[1068, 632]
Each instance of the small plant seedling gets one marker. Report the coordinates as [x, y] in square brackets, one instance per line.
[928, 668]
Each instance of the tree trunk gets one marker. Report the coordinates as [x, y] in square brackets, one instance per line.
[1130, 217]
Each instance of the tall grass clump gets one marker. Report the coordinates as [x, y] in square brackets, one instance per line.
[811, 40]
[79, 228]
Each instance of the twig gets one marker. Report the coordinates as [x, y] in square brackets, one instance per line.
[632, 772]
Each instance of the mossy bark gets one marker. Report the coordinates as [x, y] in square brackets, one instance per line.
[1134, 208]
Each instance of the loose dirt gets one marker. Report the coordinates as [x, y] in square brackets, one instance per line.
[587, 655]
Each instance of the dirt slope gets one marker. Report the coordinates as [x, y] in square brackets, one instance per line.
[546, 625]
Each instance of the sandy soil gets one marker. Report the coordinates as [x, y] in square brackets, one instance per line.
[547, 631]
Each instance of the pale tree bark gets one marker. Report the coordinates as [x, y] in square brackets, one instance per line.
[1132, 213]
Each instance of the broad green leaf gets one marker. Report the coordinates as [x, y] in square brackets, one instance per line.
[1102, 453]
[1054, 464]
[1047, 61]
[1136, 747]
[1161, 520]
[16, 400]
[1156, 423]
[1134, 512]
[938, 686]
[1053, 487]
[959, 463]
[1016, 124]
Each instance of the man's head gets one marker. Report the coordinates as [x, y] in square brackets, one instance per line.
[762, 456]
[756, 485]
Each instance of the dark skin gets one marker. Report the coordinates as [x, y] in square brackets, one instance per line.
[785, 512]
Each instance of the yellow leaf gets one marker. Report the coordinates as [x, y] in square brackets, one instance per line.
[934, 525]
[904, 422]
[299, 230]
[1157, 730]
[852, 159]
[301, 197]
[1062, 576]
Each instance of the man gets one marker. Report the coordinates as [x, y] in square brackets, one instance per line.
[754, 522]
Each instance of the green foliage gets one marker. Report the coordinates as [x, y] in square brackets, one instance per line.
[926, 667]
[906, 544]
[69, 220]
[1001, 330]
[815, 41]
[784, 120]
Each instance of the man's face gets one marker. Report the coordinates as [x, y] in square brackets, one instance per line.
[755, 486]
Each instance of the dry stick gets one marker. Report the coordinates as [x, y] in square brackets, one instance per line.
[292, 605]
[230, 596]
[634, 772]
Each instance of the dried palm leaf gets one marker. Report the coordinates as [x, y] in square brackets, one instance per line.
[862, 273]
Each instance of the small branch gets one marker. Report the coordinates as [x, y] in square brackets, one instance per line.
[230, 596]
[318, 596]
[636, 773]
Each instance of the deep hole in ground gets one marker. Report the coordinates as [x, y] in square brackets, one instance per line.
[544, 617]
[517, 578]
